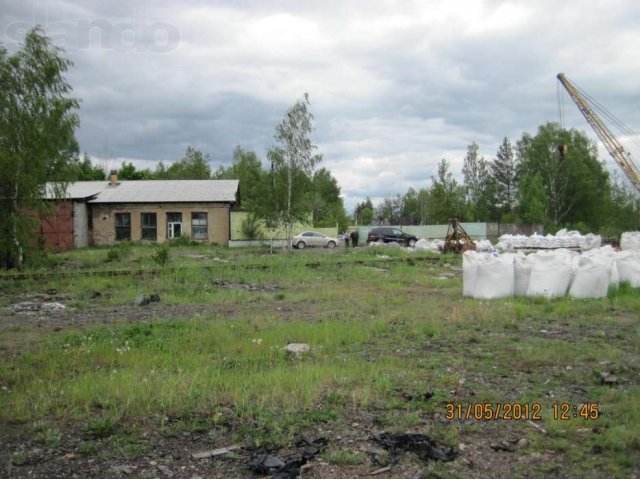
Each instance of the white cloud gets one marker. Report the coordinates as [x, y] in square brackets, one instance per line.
[395, 86]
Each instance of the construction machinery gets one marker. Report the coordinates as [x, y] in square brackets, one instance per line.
[457, 240]
[588, 108]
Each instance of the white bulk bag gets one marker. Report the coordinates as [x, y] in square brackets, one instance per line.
[522, 272]
[628, 263]
[470, 260]
[591, 278]
[425, 245]
[495, 277]
[550, 274]
[607, 256]
[484, 246]
[630, 241]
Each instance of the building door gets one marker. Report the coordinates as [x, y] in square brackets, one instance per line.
[174, 225]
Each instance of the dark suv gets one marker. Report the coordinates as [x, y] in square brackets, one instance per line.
[390, 234]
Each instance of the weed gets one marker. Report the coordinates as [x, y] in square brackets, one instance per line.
[379, 341]
[182, 241]
[19, 458]
[50, 438]
[162, 254]
[120, 251]
[87, 448]
[345, 456]
[101, 428]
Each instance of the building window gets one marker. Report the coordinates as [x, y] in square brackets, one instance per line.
[148, 226]
[199, 226]
[123, 226]
[174, 224]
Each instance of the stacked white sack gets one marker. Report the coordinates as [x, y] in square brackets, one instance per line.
[550, 273]
[630, 241]
[522, 272]
[562, 239]
[590, 278]
[628, 263]
[484, 246]
[607, 256]
[424, 245]
[487, 276]
[470, 260]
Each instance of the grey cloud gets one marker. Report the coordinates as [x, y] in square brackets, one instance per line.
[395, 86]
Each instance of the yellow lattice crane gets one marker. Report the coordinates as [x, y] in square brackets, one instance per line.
[588, 107]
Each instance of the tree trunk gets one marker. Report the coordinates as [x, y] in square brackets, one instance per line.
[289, 190]
[16, 257]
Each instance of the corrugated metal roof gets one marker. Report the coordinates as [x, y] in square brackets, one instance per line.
[156, 191]
[76, 190]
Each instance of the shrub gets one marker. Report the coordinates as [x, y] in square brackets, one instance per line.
[119, 251]
[251, 227]
[162, 255]
[101, 428]
[182, 241]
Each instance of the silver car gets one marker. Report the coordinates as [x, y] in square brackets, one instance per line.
[313, 239]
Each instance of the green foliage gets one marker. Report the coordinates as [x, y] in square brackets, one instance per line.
[182, 241]
[533, 183]
[247, 169]
[19, 458]
[575, 183]
[119, 251]
[162, 254]
[85, 170]
[37, 144]
[103, 427]
[251, 227]
[622, 210]
[226, 374]
[127, 171]
[325, 202]
[504, 171]
[363, 214]
[533, 200]
[285, 192]
[390, 209]
[447, 196]
[346, 456]
[193, 166]
[478, 185]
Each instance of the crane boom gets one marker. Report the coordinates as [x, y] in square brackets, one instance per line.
[611, 143]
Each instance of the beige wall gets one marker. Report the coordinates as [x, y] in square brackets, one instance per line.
[104, 230]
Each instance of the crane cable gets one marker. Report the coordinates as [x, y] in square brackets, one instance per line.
[560, 94]
[626, 131]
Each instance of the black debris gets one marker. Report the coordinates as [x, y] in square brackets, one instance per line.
[418, 443]
[505, 445]
[263, 463]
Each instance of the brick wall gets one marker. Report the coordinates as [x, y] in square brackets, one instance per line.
[104, 230]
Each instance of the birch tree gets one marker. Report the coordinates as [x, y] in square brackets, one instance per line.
[293, 157]
[37, 143]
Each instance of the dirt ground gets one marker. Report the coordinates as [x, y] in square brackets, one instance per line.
[490, 450]
[485, 449]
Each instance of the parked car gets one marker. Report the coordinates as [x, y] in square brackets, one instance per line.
[313, 239]
[390, 234]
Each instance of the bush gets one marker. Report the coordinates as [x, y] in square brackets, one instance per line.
[251, 227]
[119, 251]
[182, 241]
[162, 255]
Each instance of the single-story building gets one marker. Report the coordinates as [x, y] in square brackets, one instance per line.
[104, 212]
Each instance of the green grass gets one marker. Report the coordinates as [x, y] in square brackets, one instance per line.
[382, 333]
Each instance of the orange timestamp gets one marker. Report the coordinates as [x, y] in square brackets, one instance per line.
[518, 411]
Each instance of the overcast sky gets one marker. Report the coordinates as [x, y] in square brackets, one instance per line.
[395, 86]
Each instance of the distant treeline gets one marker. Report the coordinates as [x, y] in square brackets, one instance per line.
[535, 181]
